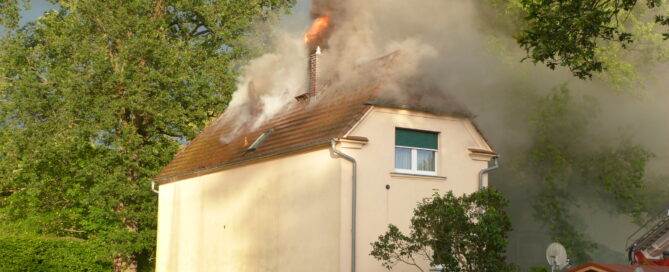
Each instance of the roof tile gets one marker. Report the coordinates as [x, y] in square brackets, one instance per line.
[329, 114]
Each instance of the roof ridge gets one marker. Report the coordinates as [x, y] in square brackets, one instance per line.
[329, 114]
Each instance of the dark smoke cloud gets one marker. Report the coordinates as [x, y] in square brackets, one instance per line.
[451, 49]
[334, 8]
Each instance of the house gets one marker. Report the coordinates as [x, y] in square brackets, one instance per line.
[311, 188]
[597, 267]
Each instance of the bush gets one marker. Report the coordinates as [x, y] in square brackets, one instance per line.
[34, 253]
[461, 234]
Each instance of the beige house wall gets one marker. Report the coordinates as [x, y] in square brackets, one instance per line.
[277, 215]
[293, 212]
[457, 169]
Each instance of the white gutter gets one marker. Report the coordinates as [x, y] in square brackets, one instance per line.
[353, 198]
[489, 169]
[153, 187]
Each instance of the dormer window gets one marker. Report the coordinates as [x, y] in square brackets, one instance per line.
[416, 151]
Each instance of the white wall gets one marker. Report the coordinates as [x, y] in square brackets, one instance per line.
[293, 213]
[276, 215]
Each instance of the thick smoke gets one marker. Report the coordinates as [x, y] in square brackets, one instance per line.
[268, 83]
[454, 45]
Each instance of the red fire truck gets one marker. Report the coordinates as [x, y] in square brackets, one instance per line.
[651, 246]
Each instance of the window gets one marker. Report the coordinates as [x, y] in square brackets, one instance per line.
[415, 151]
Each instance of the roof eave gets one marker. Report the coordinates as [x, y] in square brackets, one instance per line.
[217, 167]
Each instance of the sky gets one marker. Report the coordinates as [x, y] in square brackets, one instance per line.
[299, 19]
[38, 7]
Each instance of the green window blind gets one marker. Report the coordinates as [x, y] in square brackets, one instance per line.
[415, 138]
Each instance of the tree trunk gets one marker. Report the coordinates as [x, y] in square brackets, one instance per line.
[125, 265]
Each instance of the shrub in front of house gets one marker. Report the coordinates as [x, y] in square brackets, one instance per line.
[34, 253]
[455, 233]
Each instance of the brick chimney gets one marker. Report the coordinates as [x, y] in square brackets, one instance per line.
[313, 72]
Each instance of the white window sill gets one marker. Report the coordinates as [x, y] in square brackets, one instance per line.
[416, 176]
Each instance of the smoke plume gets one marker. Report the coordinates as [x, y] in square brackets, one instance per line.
[465, 52]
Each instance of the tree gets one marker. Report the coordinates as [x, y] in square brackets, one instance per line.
[96, 97]
[573, 33]
[560, 166]
[467, 233]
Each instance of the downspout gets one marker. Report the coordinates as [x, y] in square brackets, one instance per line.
[153, 187]
[353, 198]
[489, 169]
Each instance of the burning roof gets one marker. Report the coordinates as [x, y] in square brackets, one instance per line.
[299, 125]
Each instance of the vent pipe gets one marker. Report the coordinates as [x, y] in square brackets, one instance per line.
[486, 170]
[313, 71]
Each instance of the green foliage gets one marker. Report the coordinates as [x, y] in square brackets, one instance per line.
[561, 162]
[10, 12]
[26, 253]
[587, 36]
[95, 98]
[566, 32]
[467, 233]
[540, 269]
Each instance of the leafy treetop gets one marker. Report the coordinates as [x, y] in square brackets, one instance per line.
[574, 33]
[462, 234]
[97, 96]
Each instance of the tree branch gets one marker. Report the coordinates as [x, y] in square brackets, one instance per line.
[73, 231]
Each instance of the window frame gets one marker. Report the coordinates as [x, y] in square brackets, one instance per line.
[414, 156]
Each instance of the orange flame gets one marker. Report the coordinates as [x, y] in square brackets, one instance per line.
[317, 29]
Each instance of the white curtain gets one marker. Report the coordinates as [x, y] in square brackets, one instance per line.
[425, 160]
[402, 158]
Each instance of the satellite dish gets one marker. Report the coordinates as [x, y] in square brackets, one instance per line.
[556, 256]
